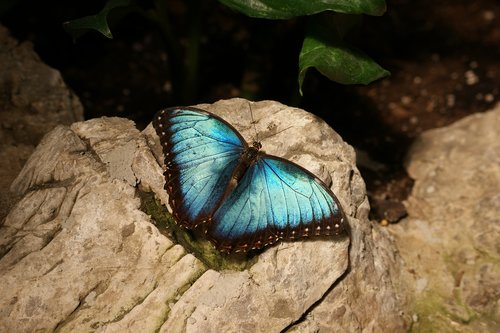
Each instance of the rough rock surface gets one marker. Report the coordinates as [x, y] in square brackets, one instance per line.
[77, 254]
[33, 100]
[450, 241]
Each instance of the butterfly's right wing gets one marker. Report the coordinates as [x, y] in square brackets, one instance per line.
[201, 152]
[276, 199]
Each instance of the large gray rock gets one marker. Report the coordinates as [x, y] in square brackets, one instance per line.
[78, 254]
[33, 100]
[450, 240]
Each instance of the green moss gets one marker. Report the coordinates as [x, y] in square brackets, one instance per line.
[431, 314]
[193, 240]
[444, 310]
[438, 313]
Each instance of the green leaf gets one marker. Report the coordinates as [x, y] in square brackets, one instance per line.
[339, 63]
[97, 22]
[285, 9]
[325, 48]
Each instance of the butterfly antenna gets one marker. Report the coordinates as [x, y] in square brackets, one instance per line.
[253, 122]
[273, 134]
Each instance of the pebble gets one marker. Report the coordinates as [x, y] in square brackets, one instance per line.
[471, 78]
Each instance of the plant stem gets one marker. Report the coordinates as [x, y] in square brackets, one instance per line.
[190, 87]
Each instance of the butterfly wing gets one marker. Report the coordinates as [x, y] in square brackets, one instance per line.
[275, 199]
[201, 152]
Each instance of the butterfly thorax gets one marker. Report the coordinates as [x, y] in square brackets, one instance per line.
[247, 158]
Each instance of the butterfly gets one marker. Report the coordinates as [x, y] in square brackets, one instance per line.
[246, 198]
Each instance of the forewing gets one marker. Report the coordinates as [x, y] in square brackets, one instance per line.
[201, 152]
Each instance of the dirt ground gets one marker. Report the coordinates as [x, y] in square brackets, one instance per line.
[443, 56]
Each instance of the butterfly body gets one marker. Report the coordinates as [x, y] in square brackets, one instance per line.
[247, 199]
[248, 157]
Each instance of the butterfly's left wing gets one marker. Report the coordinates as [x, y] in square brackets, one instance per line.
[201, 152]
[275, 199]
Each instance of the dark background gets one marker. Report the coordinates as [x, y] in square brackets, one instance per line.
[443, 56]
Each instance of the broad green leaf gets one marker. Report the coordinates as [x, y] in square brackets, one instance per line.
[285, 9]
[96, 22]
[338, 62]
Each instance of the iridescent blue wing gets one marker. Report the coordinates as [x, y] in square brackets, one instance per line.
[275, 199]
[201, 152]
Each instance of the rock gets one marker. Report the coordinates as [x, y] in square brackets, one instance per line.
[33, 100]
[78, 254]
[361, 298]
[450, 240]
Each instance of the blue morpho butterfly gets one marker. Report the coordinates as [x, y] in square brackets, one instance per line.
[247, 198]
